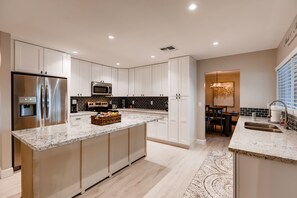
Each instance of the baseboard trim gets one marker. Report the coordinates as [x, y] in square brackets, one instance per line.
[199, 141]
[6, 173]
[168, 143]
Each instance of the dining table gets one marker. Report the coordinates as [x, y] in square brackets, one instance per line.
[227, 125]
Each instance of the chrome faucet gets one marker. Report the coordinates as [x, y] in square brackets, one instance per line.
[286, 112]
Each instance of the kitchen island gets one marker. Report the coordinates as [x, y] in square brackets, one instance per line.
[265, 163]
[64, 160]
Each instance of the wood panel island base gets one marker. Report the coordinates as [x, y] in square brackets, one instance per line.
[69, 169]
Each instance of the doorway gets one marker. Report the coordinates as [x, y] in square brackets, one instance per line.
[222, 102]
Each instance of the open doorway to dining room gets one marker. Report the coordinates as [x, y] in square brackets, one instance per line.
[222, 102]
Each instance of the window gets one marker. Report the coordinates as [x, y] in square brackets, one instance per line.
[287, 83]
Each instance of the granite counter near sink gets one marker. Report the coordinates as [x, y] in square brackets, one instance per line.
[268, 145]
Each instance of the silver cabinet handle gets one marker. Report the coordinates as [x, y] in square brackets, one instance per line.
[78, 119]
[41, 100]
[41, 72]
[45, 72]
[46, 100]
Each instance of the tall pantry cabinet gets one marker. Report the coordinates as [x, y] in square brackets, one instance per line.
[182, 97]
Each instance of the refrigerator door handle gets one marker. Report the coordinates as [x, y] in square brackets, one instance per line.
[46, 100]
[41, 101]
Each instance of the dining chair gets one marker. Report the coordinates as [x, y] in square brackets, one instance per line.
[216, 118]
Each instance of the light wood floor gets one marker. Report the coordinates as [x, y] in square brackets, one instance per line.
[165, 172]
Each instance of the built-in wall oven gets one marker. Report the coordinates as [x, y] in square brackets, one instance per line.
[100, 88]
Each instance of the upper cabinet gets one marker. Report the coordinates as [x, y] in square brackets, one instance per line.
[131, 82]
[123, 78]
[143, 81]
[179, 76]
[37, 60]
[160, 79]
[80, 78]
[114, 81]
[101, 73]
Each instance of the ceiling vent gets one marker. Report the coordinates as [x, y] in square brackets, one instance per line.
[168, 49]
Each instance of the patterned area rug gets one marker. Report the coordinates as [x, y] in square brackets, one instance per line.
[214, 179]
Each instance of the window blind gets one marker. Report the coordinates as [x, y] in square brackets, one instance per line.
[287, 83]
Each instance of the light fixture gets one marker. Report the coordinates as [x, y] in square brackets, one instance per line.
[193, 6]
[74, 52]
[118, 64]
[111, 37]
[215, 43]
[152, 56]
[216, 84]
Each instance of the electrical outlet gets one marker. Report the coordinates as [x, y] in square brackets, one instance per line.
[133, 102]
[152, 102]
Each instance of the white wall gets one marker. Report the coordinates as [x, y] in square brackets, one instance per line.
[257, 80]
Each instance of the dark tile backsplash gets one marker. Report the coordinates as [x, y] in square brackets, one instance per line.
[248, 112]
[292, 120]
[139, 102]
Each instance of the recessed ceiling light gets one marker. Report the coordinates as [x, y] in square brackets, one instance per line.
[118, 63]
[215, 43]
[193, 6]
[74, 52]
[152, 56]
[111, 37]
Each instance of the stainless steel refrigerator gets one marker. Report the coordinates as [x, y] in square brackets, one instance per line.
[38, 101]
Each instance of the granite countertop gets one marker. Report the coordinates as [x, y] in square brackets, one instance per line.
[48, 137]
[274, 146]
[152, 111]
[82, 113]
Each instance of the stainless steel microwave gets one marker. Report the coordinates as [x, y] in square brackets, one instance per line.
[100, 88]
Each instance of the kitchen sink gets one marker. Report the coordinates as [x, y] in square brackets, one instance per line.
[262, 127]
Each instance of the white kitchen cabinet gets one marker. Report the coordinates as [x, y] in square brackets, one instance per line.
[80, 78]
[158, 129]
[123, 84]
[143, 81]
[137, 143]
[37, 60]
[160, 80]
[173, 119]
[179, 76]
[28, 58]
[131, 82]
[114, 81]
[182, 100]
[101, 73]
[106, 74]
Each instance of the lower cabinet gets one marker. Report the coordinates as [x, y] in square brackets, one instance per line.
[137, 141]
[158, 129]
[94, 160]
[119, 150]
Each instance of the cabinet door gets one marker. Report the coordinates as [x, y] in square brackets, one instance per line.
[85, 69]
[53, 62]
[74, 85]
[184, 71]
[96, 73]
[114, 81]
[183, 125]
[173, 119]
[162, 132]
[131, 81]
[164, 79]
[157, 74]
[173, 75]
[106, 74]
[123, 78]
[28, 58]
[147, 80]
[151, 129]
[138, 81]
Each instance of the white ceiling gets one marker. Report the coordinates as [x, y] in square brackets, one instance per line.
[141, 27]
